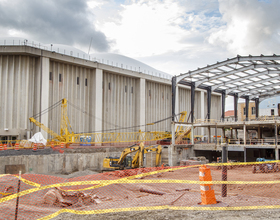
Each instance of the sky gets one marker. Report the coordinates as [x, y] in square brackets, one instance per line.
[173, 36]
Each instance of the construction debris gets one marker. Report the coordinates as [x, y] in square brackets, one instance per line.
[57, 196]
[152, 191]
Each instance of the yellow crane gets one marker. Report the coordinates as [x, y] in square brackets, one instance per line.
[65, 127]
[68, 136]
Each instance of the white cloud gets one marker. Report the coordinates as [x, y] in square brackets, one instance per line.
[252, 27]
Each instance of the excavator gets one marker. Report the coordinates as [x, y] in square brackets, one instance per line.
[127, 162]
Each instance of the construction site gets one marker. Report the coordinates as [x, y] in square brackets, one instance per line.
[87, 138]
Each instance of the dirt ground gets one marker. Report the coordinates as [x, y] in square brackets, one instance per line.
[175, 195]
[177, 215]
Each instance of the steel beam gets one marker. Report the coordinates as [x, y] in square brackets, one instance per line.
[247, 107]
[173, 97]
[223, 104]
[235, 106]
[257, 103]
[209, 102]
[192, 101]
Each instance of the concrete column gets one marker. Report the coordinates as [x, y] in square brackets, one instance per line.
[45, 71]
[98, 110]
[259, 132]
[141, 103]
[216, 135]
[172, 146]
[245, 155]
[202, 110]
[192, 134]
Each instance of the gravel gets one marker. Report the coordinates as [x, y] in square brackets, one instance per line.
[177, 215]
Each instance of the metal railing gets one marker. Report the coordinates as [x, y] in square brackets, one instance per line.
[82, 55]
[251, 141]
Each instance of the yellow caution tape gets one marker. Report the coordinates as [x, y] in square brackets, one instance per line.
[29, 182]
[129, 180]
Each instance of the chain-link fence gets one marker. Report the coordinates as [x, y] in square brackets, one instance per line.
[245, 186]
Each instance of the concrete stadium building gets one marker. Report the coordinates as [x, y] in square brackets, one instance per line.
[105, 91]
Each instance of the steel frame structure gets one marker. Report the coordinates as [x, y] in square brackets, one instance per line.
[249, 77]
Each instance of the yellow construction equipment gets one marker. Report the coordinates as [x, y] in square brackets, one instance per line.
[68, 136]
[65, 135]
[126, 162]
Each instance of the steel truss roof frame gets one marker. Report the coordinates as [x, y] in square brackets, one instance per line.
[245, 76]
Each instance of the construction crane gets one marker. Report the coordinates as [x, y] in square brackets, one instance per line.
[126, 162]
[68, 136]
[65, 127]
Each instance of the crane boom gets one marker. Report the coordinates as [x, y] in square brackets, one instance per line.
[49, 131]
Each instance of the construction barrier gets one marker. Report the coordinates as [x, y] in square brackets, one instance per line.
[17, 146]
[35, 147]
[142, 189]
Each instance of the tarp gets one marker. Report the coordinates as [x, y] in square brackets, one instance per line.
[38, 139]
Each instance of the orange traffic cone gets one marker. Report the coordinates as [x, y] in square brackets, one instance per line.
[5, 146]
[17, 146]
[1, 146]
[62, 145]
[206, 190]
[34, 147]
[52, 145]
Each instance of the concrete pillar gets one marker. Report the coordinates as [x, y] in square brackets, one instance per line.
[45, 71]
[216, 134]
[98, 111]
[192, 134]
[245, 155]
[172, 146]
[141, 103]
[202, 110]
[236, 134]
[259, 132]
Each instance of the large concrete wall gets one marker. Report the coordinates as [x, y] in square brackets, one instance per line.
[19, 92]
[32, 80]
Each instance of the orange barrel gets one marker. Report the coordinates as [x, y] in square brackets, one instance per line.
[1, 146]
[62, 145]
[206, 190]
[34, 147]
[52, 144]
[5, 146]
[17, 146]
